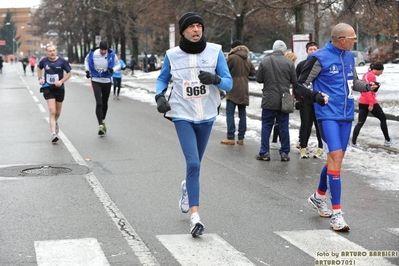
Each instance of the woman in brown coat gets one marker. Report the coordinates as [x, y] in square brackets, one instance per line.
[240, 69]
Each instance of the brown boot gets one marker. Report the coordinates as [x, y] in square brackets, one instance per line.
[240, 142]
[227, 142]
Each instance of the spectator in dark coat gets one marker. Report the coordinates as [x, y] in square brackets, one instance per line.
[240, 69]
[25, 62]
[152, 61]
[272, 68]
[132, 64]
[1, 64]
[307, 114]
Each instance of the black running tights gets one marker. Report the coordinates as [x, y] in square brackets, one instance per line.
[117, 86]
[363, 113]
[101, 93]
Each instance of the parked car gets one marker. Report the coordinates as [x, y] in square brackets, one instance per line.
[366, 57]
[260, 57]
[359, 58]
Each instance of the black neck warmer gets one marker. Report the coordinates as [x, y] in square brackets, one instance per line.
[192, 47]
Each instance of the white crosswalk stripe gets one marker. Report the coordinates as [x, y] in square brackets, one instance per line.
[77, 252]
[327, 245]
[207, 250]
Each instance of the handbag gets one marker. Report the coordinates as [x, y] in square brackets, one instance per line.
[287, 101]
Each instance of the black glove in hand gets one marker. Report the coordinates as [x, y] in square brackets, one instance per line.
[162, 104]
[208, 78]
[378, 86]
[88, 74]
[110, 70]
[319, 99]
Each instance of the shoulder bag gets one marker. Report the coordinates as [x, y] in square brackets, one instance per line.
[287, 101]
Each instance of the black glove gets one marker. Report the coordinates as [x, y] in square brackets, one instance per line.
[88, 74]
[319, 99]
[378, 84]
[110, 70]
[162, 104]
[208, 78]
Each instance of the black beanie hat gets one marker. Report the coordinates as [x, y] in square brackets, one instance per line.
[377, 66]
[103, 45]
[311, 43]
[189, 18]
[236, 43]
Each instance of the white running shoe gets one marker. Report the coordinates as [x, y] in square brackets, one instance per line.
[355, 145]
[338, 223]
[54, 137]
[388, 143]
[303, 154]
[319, 153]
[196, 227]
[183, 202]
[320, 205]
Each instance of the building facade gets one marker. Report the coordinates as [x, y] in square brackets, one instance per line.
[28, 44]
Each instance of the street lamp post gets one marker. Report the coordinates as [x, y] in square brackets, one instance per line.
[357, 14]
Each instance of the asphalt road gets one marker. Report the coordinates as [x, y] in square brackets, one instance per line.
[118, 205]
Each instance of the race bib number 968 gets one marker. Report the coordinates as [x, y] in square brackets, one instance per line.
[194, 89]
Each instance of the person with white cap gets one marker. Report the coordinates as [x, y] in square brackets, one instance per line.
[276, 72]
[198, 70]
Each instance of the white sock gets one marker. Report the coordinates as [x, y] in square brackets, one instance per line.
[335, 211]
[318, 196]
[195, 218]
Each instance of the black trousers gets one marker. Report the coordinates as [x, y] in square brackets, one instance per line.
[363, 113]
[117, 85]
[308, 118]
[101, 94]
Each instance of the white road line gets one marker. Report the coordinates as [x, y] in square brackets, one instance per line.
[41, 108]
[77, 252]
[394, 231]
[133, 239]
[323, 244]
[35, 98]
[207, 250]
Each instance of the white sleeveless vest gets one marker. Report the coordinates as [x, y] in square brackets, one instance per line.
[189, 99]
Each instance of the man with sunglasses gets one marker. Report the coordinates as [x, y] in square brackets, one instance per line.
[328, 78]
